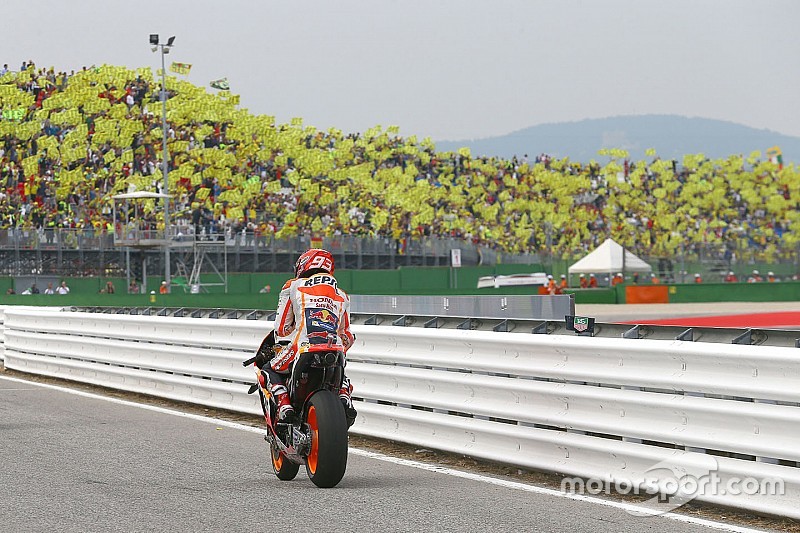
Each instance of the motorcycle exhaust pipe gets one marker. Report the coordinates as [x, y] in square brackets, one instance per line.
[326, 358]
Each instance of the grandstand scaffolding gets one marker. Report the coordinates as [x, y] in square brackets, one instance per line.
[132, 230]
[204, 272]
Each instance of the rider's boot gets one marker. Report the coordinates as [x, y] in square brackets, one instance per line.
[347, 402]
[285, 409]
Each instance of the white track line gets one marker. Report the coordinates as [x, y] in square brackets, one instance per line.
[414, 464]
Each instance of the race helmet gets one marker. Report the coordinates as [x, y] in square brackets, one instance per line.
[316, 260]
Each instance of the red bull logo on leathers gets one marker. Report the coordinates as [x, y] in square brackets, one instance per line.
[322, 319]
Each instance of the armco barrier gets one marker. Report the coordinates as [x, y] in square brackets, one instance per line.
[599, 407]
[2, 320]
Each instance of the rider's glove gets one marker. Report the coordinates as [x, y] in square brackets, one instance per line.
[266, 351]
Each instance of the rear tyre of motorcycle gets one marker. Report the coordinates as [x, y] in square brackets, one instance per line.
[283, 467]
[327, 460]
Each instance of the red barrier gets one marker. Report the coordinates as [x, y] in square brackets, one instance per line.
[646, 294]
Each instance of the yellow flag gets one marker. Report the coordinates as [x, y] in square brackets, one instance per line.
[180, 68]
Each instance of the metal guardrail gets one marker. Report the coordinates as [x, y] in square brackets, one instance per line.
[613, 405]
[498, 324]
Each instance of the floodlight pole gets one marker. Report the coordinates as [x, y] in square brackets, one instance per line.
[165, 159]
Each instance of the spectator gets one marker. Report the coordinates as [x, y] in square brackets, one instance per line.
[133, 288]
[62, 289]
[551, 285]
[34, 289]
[731, 278]
[592, 281]
[755, 277]
[109, 288]
[163, 289]
[584, 283]
[654, 279]
[197, 217]
[11, 291]
[265, 289]
[771, 277]
[698, 279]
[49, 289]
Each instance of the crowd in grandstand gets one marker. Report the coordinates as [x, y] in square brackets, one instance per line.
[69, 142]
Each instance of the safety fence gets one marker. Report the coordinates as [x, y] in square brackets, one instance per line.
[714, 420]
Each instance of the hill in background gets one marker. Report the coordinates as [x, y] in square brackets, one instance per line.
[672, 136]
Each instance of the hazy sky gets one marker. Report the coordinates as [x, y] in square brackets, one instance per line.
[448, 69]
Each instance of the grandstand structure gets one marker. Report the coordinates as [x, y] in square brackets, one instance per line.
[75, 253]
[78, 253]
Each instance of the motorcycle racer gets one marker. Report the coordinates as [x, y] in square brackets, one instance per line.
[313, 315]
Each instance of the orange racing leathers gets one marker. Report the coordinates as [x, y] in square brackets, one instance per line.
[313, 315]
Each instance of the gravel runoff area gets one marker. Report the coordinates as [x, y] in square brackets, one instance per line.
[628, 312]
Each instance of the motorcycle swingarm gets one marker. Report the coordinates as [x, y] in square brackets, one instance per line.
[295, 453]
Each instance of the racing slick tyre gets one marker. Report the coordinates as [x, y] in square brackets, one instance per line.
[327, 459]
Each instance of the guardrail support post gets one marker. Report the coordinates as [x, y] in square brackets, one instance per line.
[502, 327]
[541, 329]
[400, 321]
[744, 338]
[632, 333]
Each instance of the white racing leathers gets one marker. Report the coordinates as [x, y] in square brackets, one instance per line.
[313, 315]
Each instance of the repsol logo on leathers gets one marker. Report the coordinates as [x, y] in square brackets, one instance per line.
[320, 280]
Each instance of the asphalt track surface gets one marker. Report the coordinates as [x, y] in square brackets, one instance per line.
[74, 461]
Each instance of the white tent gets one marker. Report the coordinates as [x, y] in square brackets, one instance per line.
[608, 258]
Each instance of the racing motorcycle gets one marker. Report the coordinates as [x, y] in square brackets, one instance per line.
[317, 436]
